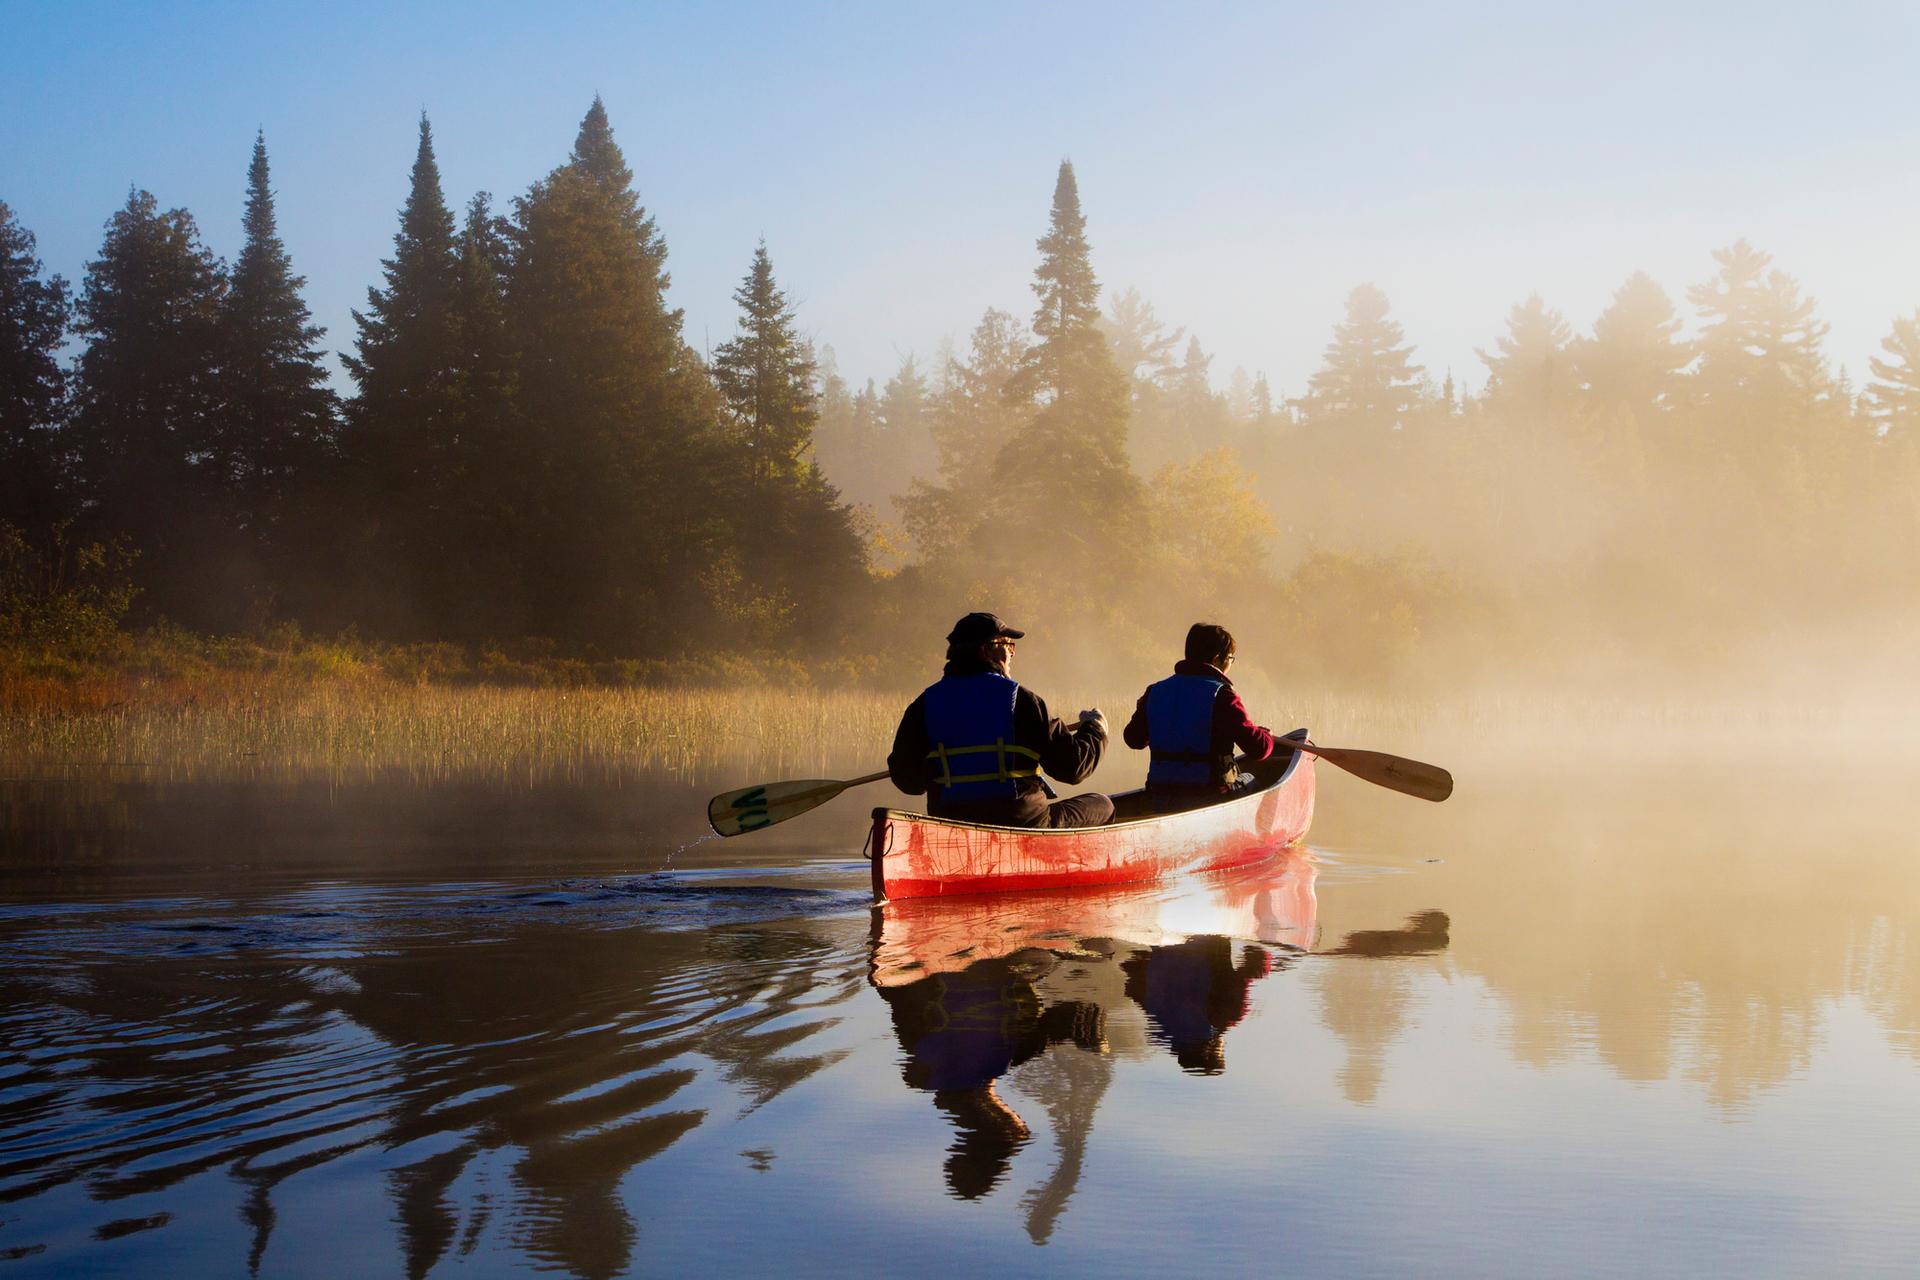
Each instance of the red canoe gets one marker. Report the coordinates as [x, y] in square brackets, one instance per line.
[917, 856]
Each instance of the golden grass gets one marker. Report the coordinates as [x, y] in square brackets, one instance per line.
[283, 725]
[358, 730]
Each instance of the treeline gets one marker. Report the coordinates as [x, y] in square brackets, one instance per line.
[1651, 492]
[533, 448]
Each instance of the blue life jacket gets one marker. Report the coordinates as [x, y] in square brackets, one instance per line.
[1180, 733]
[970, 724]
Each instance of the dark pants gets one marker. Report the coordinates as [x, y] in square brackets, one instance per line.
[1089, 809]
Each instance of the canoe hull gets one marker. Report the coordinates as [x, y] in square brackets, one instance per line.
[917, 856]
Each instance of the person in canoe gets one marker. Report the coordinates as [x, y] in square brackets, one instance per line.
[975, 742]
[1192, 723]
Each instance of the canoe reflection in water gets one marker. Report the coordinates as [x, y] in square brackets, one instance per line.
[1061, 985]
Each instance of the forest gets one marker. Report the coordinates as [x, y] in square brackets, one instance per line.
[535, 476]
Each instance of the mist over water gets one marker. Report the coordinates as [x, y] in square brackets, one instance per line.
[1596, 987]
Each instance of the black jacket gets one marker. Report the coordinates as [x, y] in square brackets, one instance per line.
[1068, 752]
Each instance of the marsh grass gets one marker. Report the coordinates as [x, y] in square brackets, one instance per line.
[335, 716]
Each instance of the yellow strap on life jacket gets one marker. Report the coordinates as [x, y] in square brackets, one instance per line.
[1000, 748]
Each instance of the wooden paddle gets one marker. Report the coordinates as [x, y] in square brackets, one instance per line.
[1396, 773]
[752, 808]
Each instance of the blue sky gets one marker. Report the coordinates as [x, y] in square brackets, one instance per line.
[1243, 166]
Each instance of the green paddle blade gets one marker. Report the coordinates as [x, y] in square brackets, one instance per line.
[752, 808]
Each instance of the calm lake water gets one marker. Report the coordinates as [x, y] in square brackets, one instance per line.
[1584, 1018]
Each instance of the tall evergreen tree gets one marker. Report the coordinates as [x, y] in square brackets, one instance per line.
[277, 414]
[406, 342]
[476, 588]
[766, 375]
[626, 413]
[33, 387]
[1067, 481]
[1636, 358]
[795, 537]
[1369, 378]
[145, 422]
[1528, 372]
[401, 426]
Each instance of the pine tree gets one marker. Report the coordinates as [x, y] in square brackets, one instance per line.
[1761, 341]
[1529, 374]
[1142, 347]
[1067, 320]
[1368, 379]
[1893, 397]
[145, 421]
[625, 412]
[33, 387]
[1636, 358]
[277, 414]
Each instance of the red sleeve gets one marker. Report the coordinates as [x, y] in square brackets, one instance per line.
[1231, 723]
[1135, 734]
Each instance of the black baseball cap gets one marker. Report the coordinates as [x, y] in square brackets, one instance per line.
[978, 628]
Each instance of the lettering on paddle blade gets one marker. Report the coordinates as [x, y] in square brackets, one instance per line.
[749, 806]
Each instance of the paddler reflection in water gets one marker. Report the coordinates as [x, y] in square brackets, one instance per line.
[1193, 992]
[975, 742]
[962, 1031]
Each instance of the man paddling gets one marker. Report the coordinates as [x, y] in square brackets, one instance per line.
[1193, 722]
[975, 742]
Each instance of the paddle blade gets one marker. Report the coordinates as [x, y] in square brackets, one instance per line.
[752, 808]
[1396, 773]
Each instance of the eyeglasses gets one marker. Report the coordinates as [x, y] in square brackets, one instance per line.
[1002, 643]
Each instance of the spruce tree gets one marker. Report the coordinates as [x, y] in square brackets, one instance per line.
[146, 413]
[401, 426]
[477, 591]
[794, 534]
[406, 342]
[1368, 379]
[277, 414]
[1529, 374]
[625, 414]
[33, 387]
[766, 375]
[1636, 358]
